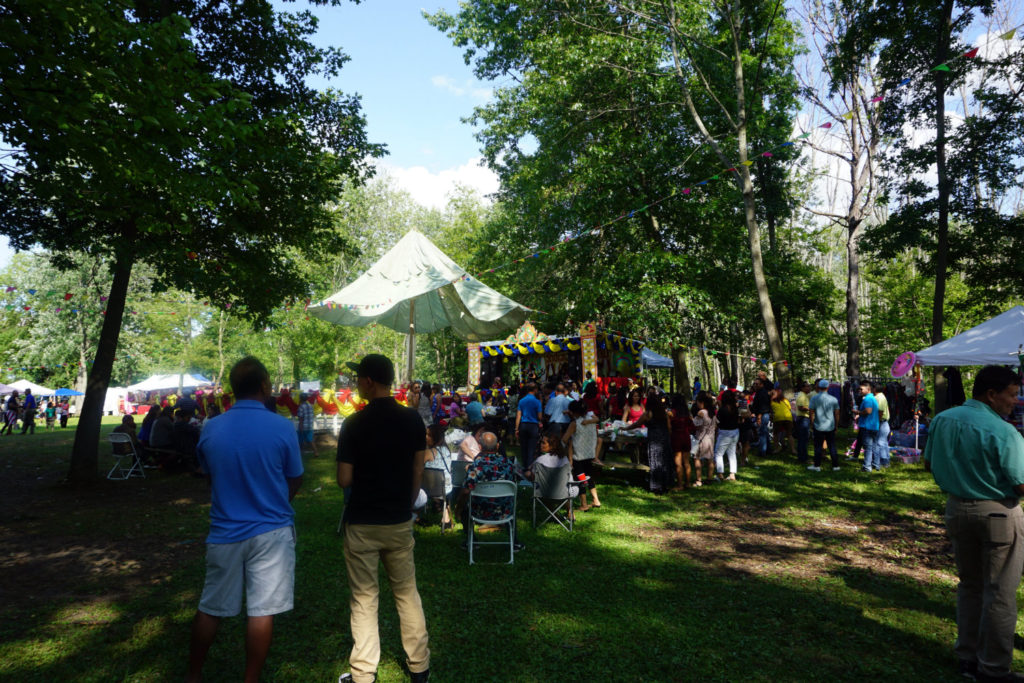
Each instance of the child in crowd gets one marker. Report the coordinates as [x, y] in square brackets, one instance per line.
[682, 429]
[582, 437]
[705, 424]
[51, 414]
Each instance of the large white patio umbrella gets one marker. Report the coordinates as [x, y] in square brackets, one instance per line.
[416, 288]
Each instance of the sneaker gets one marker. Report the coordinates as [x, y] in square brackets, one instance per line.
[836, 469]
[517, 546]
[347, 678]
[814, 468]
[967, 668]
[421, 677]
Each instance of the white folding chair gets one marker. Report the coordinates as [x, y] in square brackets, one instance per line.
[490, 490]
[553, 484]
[123, 442]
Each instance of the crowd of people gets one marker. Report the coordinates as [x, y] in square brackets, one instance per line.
[25, 409]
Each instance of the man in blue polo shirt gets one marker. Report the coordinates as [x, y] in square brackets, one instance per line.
[528, 424]
[867, 427]
[977, 459]
[252, 459]
[557, 411]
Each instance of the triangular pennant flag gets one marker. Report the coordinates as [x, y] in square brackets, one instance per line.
[826, 125]
[1009, 34]
[905, 81]
[940, 67]
[878, 98]
[703, 182]
[766, 154]
[970, 54]
[748, 163]
[31, 291]
[785, 144]
[804, 136]
[686, 190]
[730, 169]
[714, 177]
[848, 115]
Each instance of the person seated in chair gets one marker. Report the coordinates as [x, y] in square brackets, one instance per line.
[489, 465]
[553, 457]
[186, 438]
[127, 426]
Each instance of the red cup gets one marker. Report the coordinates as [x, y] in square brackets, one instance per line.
[581, 477]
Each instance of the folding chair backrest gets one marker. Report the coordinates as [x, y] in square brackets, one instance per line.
[551, 482]
[459, 472]
[433, 483]
[494, 489]
[121, 438]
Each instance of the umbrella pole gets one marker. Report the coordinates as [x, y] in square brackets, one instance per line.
[410, 349]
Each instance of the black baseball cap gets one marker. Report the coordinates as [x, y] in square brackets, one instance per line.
[376, 367]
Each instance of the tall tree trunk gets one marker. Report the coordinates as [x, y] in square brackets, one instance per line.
[220, 349]
[761, 283]
[942, 229]
[742, 174]
[852, 310]
[85, 450]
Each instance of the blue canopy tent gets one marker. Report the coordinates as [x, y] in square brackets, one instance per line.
[650, 359]
[67, 392]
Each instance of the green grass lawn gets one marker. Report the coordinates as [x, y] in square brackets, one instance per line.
[785, 575]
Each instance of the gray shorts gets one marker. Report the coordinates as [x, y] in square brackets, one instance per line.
[266, 565]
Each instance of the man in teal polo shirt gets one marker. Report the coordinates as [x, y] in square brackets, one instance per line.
[977, 458]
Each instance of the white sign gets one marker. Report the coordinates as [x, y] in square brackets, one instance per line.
[309, 386]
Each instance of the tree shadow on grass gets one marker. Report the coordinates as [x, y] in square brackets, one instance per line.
[574, 607]
[614, 600]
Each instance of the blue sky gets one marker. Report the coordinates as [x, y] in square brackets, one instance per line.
[414, 83]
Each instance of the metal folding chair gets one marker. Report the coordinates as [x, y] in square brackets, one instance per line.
[494, 489]
[123, 442]
[555, 485]
[459, 468]
[433, 484]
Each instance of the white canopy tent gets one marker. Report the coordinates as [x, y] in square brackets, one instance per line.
[162, 382]
[993, 342]
[37, 389]
[416, 288]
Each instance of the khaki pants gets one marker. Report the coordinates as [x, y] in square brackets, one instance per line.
[988, 542]
[365, 546]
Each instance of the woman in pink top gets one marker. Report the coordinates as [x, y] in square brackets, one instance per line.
[635, 408]
[470, 446]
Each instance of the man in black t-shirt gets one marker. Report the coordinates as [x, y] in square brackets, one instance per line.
[381, 452]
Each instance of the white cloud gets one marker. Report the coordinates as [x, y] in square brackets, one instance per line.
[433, 188]
[468, 87]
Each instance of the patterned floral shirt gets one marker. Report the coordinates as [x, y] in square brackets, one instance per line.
[491, 467]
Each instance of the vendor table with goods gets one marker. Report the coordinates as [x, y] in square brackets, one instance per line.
[631, 441]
